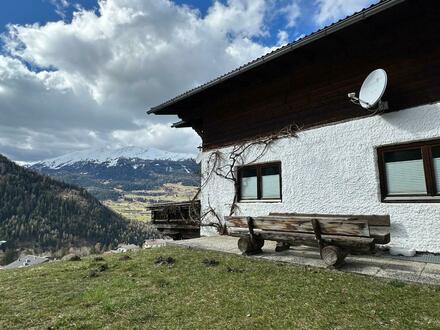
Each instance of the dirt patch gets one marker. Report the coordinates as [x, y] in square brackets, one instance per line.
[164, 260]
[234, 270]
[210, 262]
[99, 269]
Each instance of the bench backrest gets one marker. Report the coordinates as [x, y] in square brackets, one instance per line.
[373, 220]
[344, 226]
[380, 225]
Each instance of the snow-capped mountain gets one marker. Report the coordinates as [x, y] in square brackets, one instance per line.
[106, 173]
[111, 156]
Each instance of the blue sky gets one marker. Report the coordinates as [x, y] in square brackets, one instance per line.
[35, 11]
[305, 24]
[42, 11]
[84, 76]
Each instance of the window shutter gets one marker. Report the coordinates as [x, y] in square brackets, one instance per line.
[405, 173]
[271, 183]
[249, 184]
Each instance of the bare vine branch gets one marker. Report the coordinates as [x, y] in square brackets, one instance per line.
[237, 157]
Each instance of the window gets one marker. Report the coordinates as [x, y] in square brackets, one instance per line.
[410, 172]
[260, 182]
[249, 183]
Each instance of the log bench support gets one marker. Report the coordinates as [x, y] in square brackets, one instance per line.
[282, 246]
[332, 255]
[251, 244]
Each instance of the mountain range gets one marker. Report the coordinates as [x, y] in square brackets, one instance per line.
[110, 157]
[106, 173]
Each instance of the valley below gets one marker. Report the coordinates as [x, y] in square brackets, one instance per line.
[133, 205]
[127, 180]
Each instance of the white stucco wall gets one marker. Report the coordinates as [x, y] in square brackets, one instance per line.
[333, 170]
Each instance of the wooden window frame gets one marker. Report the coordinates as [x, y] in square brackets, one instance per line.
[432, 196]
[259, 168]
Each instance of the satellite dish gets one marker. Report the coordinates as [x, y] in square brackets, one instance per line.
[372, 90]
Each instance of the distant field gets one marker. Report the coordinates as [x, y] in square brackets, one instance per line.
[133, 205]
[237, 293]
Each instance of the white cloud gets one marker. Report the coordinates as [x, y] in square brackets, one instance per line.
[60, 7]
[101, 71]
[292, 12]
[158, 136]
[283, 37]
[332, 10]
[239, 17]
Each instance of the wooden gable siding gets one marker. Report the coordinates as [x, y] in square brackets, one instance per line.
[309, 86]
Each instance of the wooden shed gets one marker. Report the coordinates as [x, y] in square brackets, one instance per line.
[177, 220]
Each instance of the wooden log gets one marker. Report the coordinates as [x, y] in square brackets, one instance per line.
[179, 221]
[333, 256]
[282, 246]
[287, 237]
[245, 245]
[169, 232]
[379, 225]
[373, 220]
[381, 234]
[250, 246]
[333, 226]
[176, 226]
[258, 242]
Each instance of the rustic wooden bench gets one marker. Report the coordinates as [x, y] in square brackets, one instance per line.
[335, 235]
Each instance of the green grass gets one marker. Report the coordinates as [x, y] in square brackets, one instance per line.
[189, 295]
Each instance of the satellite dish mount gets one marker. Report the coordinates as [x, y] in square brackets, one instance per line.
[372, 90]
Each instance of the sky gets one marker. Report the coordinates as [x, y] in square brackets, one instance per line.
[80, 74]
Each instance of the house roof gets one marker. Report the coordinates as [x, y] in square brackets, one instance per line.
[321, 33]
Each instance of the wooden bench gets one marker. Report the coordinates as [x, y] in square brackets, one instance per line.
[335, 235]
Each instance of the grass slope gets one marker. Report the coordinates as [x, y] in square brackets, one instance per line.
[189, 295]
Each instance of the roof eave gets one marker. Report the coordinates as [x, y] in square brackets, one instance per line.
[357, 17]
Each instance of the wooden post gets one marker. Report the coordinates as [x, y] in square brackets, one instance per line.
[330, 254]
[317, 231]
[251, 244]
[250, 223]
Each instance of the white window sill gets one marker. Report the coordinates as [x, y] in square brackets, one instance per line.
[260, 201]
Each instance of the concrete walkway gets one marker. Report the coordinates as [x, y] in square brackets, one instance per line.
[384, 267]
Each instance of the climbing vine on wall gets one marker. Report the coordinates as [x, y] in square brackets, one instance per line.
[224, 165]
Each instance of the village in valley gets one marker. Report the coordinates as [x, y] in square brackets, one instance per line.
[236, 164]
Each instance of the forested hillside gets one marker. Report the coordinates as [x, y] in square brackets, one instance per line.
[39, 212]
